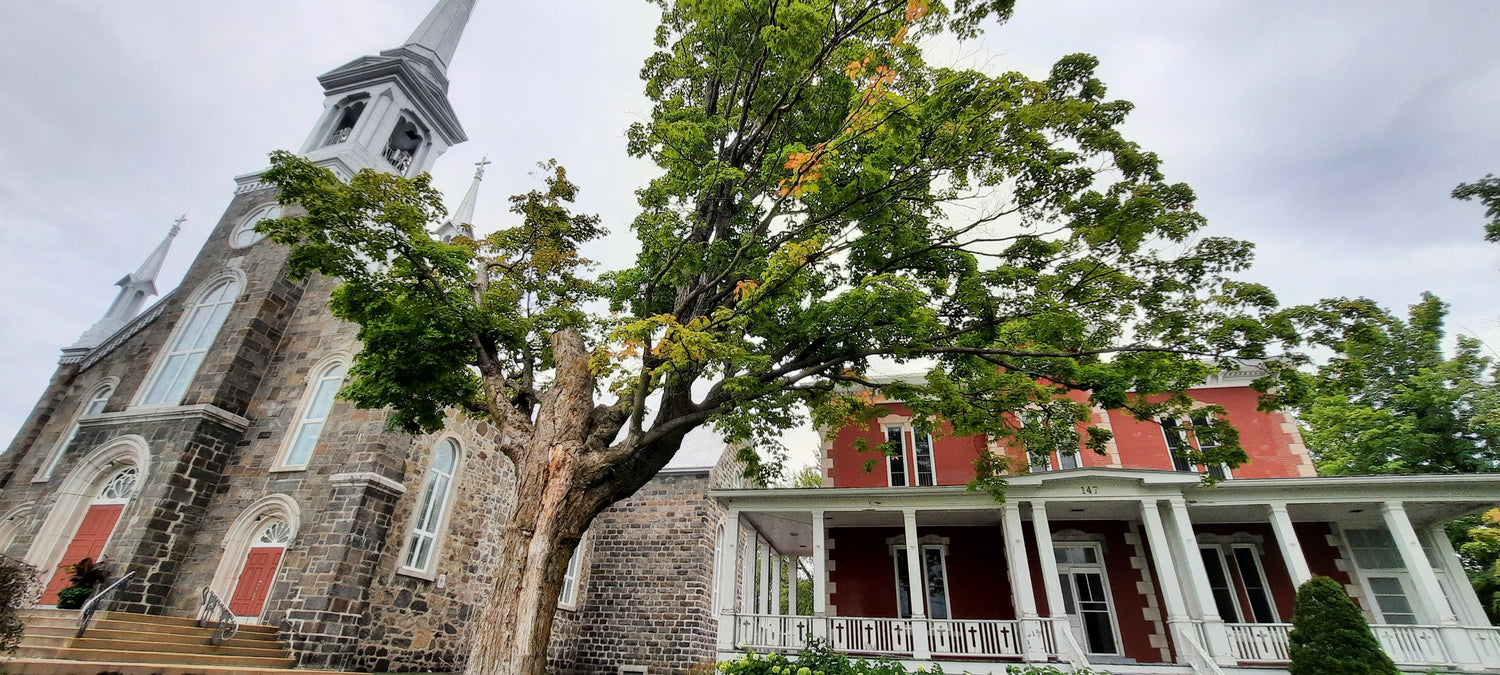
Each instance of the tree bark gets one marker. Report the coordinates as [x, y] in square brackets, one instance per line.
[560, 486]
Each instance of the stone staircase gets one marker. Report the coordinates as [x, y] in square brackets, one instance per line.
[141, 644]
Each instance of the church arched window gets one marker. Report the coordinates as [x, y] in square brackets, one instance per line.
[431, 516]
[323, 384]
[189, 344]
[93, 404]
[245, 234]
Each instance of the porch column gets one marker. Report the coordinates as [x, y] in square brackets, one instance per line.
[1214, 632]
[1472, 613]
[916, 587]
[1429, 593]
[763, 548]
[775, 583]
[746, 602]
[728, 558]
[1180, 625]
[1291, 548]
[820, 576]
[791, 584]
[1050, 580]
[1019, 568]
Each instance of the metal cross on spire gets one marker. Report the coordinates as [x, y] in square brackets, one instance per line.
[479, 166]
[177, 224]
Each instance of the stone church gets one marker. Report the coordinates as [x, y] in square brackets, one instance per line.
[198, 443]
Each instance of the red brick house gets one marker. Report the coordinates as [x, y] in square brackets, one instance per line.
[1125, 560]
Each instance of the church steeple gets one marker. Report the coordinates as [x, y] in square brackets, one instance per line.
[390, 112]
[439, 33]
[134, 289]
[462, 220]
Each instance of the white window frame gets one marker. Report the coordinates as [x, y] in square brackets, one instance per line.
[440, 532]
[247, 224]
[100, 393]
[230, 276]
[1191, 439]
[898, 557]
[892, 460]
[316, 377]
[911, 472]
[569, 597]
[1065, 569]
[1260, 574]
[1234, 595]
[1401, 574]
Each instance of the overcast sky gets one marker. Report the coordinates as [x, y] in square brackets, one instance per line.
[1328, 133]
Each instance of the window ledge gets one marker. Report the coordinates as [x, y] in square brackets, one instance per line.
[286, 469]
[414, 573]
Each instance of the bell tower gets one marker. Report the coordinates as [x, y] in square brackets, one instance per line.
[390, 112]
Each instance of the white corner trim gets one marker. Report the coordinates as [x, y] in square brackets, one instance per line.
[369, 478]
[166, 414]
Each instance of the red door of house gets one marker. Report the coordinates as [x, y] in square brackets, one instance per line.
[255, 581]
[97, 524]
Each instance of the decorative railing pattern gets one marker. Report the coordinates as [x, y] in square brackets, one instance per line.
[213, 613]
[1412, 645]
[975, 637]
[870, 636]
[772, 631]
[400, 159]
[96, 602]
[1486, 642]
[1259, 642]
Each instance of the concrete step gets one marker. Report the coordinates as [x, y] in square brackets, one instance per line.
[139, 636]
[100, 623]
[33, 666]
[115, 656]
[70, 616]
[144, 641]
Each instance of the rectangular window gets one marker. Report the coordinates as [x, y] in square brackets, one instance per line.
[1218, 583]
[1262, 607]
[1390, 598]
[926, 472]
[1374, 549]
[1177, 443]
[934, 577]
[896, 461]
[1067, 461]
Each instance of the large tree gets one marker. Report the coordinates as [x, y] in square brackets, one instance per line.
[1388, 400]
[1487, 192]
[827, 200]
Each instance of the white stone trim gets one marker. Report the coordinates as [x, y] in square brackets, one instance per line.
[54, 456]
[440, 535]
[154, 414]
[368, 478]
[10, 524]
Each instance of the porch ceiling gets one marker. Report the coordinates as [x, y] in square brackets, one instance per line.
[1356, 513]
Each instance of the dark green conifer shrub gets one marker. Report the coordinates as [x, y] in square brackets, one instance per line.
[1330, 637]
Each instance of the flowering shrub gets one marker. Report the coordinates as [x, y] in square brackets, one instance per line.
[820, 659]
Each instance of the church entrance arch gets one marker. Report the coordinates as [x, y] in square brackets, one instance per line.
[254, 548]
[93, 533]
[90, 504]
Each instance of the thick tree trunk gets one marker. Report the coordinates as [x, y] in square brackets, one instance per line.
[554, 503]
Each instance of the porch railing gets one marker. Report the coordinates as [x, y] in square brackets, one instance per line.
[1486, 643]
[870, 635]
[1412, 645]
[772, 631]
[1259, 642]
[975, 637]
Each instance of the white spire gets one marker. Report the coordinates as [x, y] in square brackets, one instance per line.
[134, 289]
[439, 33]
[462, 220]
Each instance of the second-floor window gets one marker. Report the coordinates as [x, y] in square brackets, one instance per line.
[907, 442]
[431, 512]
[1178, 444]
[179, 363]
[568, 598]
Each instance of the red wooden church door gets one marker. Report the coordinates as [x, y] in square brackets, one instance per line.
[255, 580]
[97, 524]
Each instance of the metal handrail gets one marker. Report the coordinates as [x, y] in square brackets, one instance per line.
[214, 612]
[86, 613]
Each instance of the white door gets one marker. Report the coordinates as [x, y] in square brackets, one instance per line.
[1086, 598]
